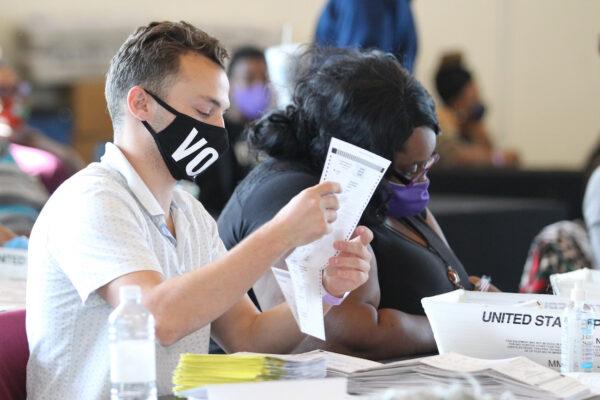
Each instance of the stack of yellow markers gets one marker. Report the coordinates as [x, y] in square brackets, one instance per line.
[197, 370]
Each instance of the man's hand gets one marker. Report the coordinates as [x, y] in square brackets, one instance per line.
[308, 215]
[350, 268]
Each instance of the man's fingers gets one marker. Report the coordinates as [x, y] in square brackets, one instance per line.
[330, 201]
[330, 216]
[324, 188]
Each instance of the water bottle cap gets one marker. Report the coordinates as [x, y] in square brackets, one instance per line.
[130, 292]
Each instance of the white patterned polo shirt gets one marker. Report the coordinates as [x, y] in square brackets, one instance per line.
[99, 225]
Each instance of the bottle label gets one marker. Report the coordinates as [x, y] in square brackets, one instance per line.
[132, 361]
[577, 342]
[586, 365]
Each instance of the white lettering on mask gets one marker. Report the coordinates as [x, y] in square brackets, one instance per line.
[195, 166]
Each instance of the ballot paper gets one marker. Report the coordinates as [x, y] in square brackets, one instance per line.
[284, 280]
[337, 365]
[340, 365]
[520, 376]
[589, 379]
[359, 172]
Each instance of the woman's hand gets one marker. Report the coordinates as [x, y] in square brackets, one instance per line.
[350, 268]
[476, 281]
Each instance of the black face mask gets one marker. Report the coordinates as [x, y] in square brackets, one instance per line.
[188, 146]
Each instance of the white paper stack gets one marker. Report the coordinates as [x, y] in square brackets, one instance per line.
[299, 368]
[520, 376]
[338, 365]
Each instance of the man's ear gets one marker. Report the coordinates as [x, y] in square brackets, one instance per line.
[139, 103]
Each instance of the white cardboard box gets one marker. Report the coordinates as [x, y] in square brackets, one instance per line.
[502, 325]
[13, 263]
[563, 283]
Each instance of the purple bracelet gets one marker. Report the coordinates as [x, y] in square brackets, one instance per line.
[332, 300]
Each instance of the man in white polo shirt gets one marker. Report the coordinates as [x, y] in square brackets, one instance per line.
[123, 221]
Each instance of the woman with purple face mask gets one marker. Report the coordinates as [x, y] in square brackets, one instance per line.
[251, 96]
[369, 100]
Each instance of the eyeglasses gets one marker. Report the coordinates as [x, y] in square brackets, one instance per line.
[417, 171]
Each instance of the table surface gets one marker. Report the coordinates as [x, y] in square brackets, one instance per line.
[12, 296]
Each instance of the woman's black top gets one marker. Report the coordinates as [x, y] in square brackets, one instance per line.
[407, 270]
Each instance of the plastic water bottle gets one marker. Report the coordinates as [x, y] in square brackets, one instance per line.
[577, 336]
[132, 348]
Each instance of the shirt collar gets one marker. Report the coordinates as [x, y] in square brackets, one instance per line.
[116, 160]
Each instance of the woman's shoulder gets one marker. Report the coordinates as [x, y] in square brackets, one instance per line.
[268, 187]
[278, 167]
[277, 176]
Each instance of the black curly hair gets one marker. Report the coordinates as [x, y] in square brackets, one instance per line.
[365, 98]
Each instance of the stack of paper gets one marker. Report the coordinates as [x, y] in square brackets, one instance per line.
[522, 377]
[339, 365]
[197, 370]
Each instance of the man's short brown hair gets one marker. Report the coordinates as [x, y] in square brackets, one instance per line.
[150, 58]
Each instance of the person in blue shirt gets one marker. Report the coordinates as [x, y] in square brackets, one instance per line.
[387, 25]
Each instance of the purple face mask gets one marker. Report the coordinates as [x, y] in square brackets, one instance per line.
[409, 200]
[252, 101]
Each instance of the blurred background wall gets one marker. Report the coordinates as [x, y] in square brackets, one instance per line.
[536, 60]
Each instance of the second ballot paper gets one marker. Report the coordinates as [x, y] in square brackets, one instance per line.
[359, 172]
